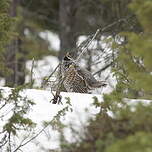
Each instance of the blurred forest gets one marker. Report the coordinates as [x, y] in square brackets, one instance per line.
[68, 19]
[127, 31]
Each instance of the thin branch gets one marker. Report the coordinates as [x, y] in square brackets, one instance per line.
[31, 76]
[83, 44]
[21, 145]
[87, 45]
[9, 142]
[104, 68]
[99, 31]
[3, 105]
[46, 80]
[4, 140]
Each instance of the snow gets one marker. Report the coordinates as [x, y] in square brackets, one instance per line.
[42, 68]
[43, 110]
[52, 38]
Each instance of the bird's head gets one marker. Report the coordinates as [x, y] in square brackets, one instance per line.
[67, 57]
[67, 61]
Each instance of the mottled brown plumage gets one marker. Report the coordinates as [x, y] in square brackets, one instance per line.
[77, 79]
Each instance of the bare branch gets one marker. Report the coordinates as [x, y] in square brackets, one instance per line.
[31, 75]
[87, 45]
[47, 79]
[21, 145]
[104, 68]
[101, 31]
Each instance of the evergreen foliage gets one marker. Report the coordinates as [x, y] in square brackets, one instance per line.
[14, 109]
[19, 105]
[6, 23]
[134, 59]
[134, 143]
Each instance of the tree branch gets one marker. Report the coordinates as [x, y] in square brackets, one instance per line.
[87, 45]
[104, 68]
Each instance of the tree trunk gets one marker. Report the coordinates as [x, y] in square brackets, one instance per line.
[15, 63]
[67, 14]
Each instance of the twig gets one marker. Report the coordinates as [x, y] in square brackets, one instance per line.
[31, 76]
[21, 145]
[4, 140]
[98, 30]
[116, 22]
[46, 80]
[84, 43]
[101, 31]
[9, 142]
[3, 105]
[104, 68]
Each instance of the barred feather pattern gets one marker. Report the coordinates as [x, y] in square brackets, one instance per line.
[73, 82]
[77, 79]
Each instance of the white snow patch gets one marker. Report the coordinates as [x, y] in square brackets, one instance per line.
[2, 81]
[53, 39]
[42, 68]
[43, 110]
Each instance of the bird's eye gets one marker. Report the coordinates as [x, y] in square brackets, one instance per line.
[66, 58]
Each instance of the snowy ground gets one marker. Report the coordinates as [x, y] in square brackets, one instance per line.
[82, 110]
[43, 110]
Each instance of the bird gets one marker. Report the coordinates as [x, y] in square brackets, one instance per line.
[77, 79]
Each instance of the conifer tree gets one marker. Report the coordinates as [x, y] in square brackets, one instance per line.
[135, 58]
[5, 33]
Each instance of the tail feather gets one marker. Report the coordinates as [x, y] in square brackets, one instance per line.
[99, 84]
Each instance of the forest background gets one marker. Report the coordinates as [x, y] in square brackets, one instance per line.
[125, 27]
